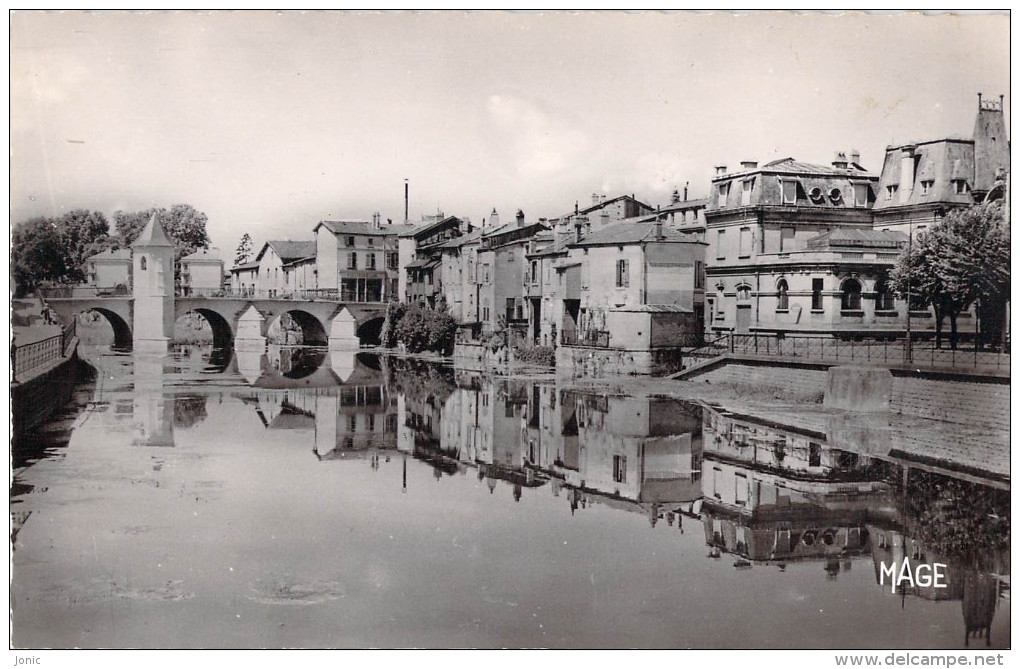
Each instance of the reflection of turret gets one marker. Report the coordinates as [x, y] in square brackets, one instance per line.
[153, 411]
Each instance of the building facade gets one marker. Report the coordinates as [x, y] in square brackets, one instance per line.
[356, 260]
[202, 273]
[107, 270]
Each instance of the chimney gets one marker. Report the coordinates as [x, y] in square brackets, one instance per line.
[855, 157]
[406, 219]
[577, 232]
[520, 218]
[376, 220]
[657, 229]
[720, 169]
[748, 164]
[676, 196]
[594, 199]
[686, 183]
[839, 162]
[906, 173]
[493, 219]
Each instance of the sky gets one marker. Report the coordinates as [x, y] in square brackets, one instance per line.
[270, 122]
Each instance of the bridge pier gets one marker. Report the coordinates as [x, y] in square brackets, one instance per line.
[251, 327]
[343, 332]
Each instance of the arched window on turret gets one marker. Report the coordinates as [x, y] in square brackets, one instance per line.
[142, 264]
[851, 295]
[885, 300]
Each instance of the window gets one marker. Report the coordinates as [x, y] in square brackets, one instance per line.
[885, 300]
[724, 190]
[926, 185]
[851, 298]
[816, 294]
[350, 241]
[352, 423]
[961, 186]
[620, 468]
[352, 260]
[861, 195]
[371, 260]
[782, 295]
[740, 489]
[142, 264]
[485, 273]
[534, 271]
[743, 293]
[699, 274]
[786, 240]
[890, 192]
[371, 241]
[814, 454]
[745, 242]
[510, 257]
[393, 260]
[622, 274]
[720, 246]
[745, 196]
[789, 192]
[371, 422]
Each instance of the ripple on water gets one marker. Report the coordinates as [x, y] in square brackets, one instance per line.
[283, 589]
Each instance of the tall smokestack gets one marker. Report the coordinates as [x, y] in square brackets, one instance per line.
[406, 219]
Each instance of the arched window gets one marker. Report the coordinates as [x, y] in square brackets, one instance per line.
[885, 300]
[743, 293]
[143, 263]
[851, 295]
[782, 295]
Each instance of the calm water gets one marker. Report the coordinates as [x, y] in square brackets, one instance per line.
[303, 498]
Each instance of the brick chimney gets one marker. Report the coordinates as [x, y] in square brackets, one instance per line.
[520, 218]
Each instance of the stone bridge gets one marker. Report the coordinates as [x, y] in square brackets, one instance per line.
[244, 320]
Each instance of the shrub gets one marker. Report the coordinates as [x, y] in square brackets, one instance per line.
[538, 355]
[419, 329]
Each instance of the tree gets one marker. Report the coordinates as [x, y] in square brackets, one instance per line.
[55, 249]
[961, 260]
[184, 224]
[243, 250]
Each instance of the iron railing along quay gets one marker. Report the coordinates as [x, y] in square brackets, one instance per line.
[28, 358]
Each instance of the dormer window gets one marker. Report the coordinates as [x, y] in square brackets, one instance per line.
[861, 195]
[789, 192]
[890, 191]
[724, 190]
[961, 186]
[745, 196]
[926, 186]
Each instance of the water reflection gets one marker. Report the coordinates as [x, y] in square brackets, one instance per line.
[802, 503]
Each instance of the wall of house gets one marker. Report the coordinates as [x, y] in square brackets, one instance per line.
[205, 276]
[578, 361]
[301, 276]
[110, 274]
[326, 258]
[270, 281]
[244, 282]
[406, 248]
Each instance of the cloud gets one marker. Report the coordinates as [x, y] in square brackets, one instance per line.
[539, 141]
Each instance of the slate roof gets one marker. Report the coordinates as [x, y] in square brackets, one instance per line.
[152, 235]
[600, 205]
[458, 242]
[288, 250]
[112, 254]
[254, 264]
[355, 228]
[416, 230]
[203, 255]
[631, 233]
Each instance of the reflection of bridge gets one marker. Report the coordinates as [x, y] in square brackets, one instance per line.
[321, 321]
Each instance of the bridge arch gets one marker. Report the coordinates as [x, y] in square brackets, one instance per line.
[121, 330]
[313, 332]
[223, 334]
[370, 332]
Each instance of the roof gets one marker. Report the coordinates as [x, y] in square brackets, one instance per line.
[288, 250]
[458, 242]
[355, 228]
[655, 309]
[416, 230]
[112, 254]
[600, 205]
[554, 247]
[254, 264]
[203, 255]
[792, 166]
[632, 233]
[153, 235]
[422, 262]
[297, 261]
[857, 237]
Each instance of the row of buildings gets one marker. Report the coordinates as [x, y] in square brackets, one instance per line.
[784, 247]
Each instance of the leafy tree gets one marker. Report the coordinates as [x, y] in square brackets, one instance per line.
[244, 249]
[54, 249]
[419, 328]
[183, 224]
[961, 260]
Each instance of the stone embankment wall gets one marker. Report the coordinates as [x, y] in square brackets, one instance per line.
[598, 362]
[800, 380]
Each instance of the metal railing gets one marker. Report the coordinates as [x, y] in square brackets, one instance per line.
[590, 338]
[887, 351]
[27, 358]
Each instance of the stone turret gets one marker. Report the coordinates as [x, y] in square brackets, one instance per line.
[152, 256]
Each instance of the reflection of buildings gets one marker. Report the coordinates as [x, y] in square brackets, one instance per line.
[153, 411]
[355, 420]
[775, 495]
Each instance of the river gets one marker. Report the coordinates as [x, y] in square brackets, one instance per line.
[302, 498]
